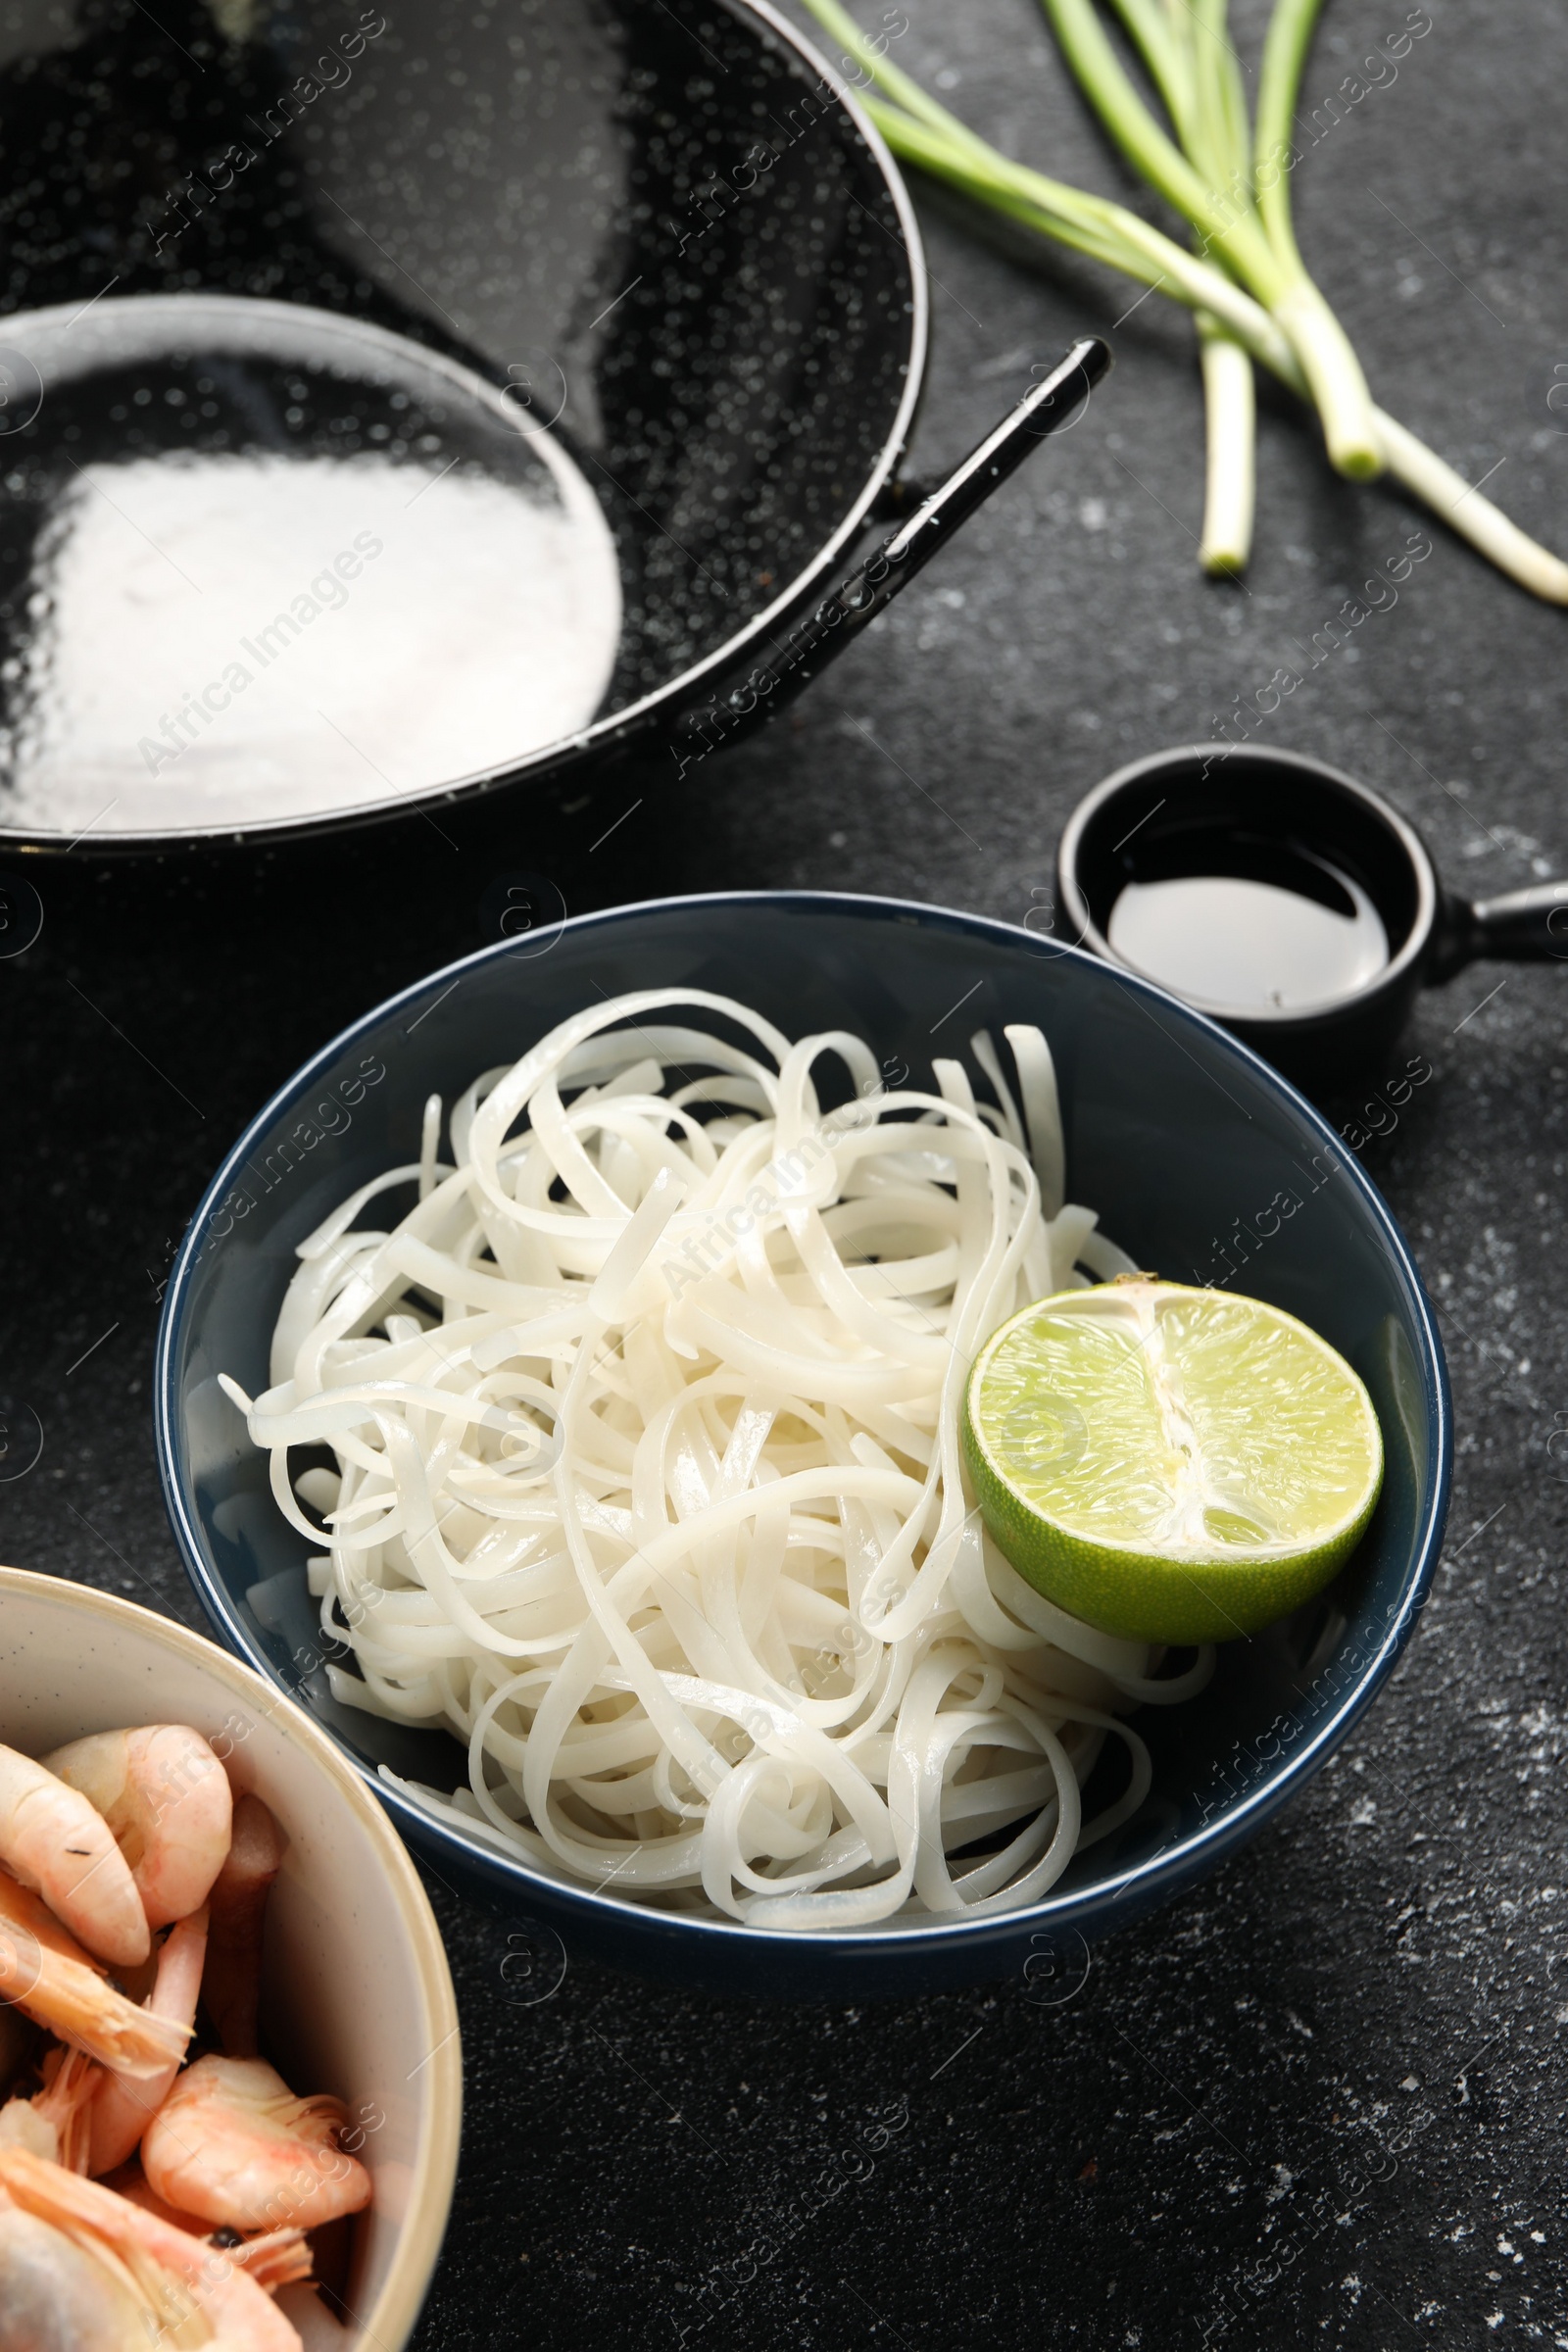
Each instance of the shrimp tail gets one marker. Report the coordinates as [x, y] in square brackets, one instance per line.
[275, 2258]
[77, 2005]
[45, 1973]
[66, 2105]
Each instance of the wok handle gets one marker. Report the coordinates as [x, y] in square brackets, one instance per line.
[794, 660]
[1521, 926]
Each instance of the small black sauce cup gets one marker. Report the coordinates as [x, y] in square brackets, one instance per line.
[1211, 809]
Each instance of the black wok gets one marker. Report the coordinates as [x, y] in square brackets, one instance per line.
[604, 323]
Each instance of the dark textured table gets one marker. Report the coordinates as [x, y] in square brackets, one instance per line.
[1322, 2100]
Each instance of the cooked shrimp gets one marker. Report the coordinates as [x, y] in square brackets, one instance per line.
[273, 2258]
[55, 1843]
[121, 2108]
[88, 2118]
[54, 2292]
[55, 2123]
[24, 1915]
[106, 2275]
[238, 1907]
[53, 1980]
[166, 1800]
[232, 2144]
[129, 2181]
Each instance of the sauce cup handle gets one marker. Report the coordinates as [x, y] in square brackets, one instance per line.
[1521, 926]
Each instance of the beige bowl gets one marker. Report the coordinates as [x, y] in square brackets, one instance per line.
[358, 1998]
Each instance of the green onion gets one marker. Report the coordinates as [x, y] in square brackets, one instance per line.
[1247, 284]
[1201, 83]
[1232, 230]
[1230, 406]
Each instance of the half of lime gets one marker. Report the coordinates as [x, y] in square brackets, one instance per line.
[1170, 1464]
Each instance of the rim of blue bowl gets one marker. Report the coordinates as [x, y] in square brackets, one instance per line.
[1145, 1886]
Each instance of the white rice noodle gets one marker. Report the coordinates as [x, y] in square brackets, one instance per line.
[646, 1421]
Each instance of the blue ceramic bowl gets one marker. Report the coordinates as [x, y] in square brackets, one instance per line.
[1200, 1161]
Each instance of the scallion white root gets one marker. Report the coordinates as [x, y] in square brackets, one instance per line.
[1230, 409]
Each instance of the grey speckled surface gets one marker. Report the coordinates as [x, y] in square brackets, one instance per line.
[1322, 2101]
